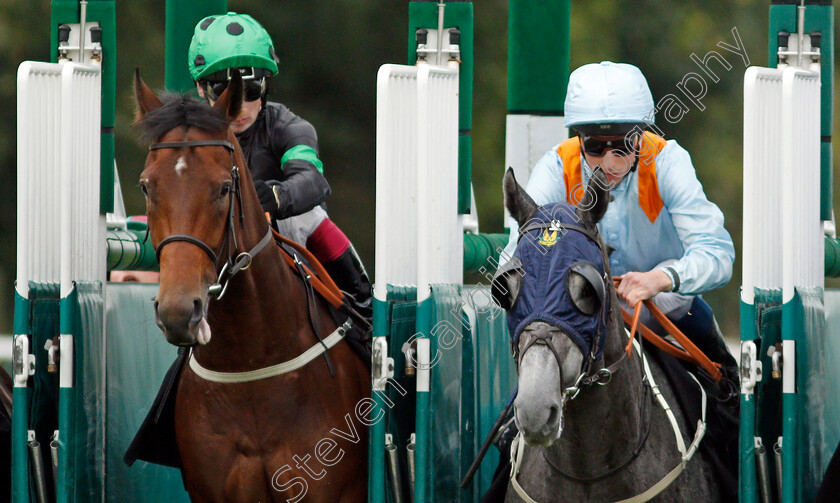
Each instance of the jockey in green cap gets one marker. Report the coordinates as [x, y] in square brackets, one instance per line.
[280, 147]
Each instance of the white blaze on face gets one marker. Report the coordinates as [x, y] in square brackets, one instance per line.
[181, 165]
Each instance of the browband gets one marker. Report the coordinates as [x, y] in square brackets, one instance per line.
[193, 143]
[557, 225]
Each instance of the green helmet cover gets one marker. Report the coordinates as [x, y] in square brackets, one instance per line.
[230, 41]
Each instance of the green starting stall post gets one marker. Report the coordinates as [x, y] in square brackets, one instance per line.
[60, 276]
[790, 402]
[538, 74]
[442, 366]
[88, 357]
[181, 18]
[65, 137]
[442, 371]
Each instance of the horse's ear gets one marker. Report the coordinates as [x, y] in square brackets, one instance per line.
[147, 100]
[595, 200]
[517, 201]
[230, 102]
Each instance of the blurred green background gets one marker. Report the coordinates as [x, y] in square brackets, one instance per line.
[330, 52]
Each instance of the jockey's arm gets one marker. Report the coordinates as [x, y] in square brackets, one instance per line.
[708, 255]
[301, 188]
[301, 185]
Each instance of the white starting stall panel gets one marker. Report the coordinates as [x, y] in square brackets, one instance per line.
[783, 347]
[60, 253]
[419, 234]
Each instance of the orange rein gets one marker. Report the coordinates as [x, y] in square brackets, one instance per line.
[690, 354]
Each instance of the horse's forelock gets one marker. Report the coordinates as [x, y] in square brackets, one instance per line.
[181, 110]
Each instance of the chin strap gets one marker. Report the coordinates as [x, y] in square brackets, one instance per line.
[517, 449]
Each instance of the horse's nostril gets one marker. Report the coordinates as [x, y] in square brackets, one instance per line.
[197, 313]
[553, 413]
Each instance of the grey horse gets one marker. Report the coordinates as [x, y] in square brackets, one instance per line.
[610, 442]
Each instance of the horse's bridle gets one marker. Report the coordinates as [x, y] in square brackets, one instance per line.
[588, 375]
[231, 265]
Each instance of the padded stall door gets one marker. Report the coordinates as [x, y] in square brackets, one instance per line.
[138, 357]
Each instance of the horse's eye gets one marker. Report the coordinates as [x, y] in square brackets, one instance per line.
[225, 190]
[144, 188]
[585, 288]
[507, 284]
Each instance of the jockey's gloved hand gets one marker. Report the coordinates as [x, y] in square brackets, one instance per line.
[272, 198]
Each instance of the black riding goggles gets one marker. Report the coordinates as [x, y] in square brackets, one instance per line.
[255, 88]
[597, 146]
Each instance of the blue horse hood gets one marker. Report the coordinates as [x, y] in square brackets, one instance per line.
[549, 252]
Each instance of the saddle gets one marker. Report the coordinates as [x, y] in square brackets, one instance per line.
[155, 442]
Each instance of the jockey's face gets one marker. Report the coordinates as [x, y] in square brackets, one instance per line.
[615, 162]
[247, 116]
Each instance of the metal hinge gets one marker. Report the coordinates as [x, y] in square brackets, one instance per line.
[23, 364]
[381, 364]
[750, 368]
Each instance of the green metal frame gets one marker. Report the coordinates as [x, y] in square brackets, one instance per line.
[131, 250]
[818, 18]
[104, 12]
[456, 15]
[181, 18]
[36, 318]
[423, 463]
[761, 322]
[790, 408]
[20, 413]
[538, 56]
[67, 444]
[748, 492]
[393, 319]
[832, 257]
[481, 250]
[797, 326]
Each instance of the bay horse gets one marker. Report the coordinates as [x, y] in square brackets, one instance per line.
[581, 441]
[252, 440]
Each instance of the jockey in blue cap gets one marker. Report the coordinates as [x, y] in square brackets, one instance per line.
[668, 238]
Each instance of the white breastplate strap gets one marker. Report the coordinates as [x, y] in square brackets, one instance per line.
[274, 370]
[518, 446]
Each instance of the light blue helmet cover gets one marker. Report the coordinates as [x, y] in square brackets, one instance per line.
[608, 93]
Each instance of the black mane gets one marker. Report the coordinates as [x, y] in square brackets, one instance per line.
[181, 110]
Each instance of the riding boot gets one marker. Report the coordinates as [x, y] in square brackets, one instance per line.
[334, 250]
[701, 327]
[349, 274]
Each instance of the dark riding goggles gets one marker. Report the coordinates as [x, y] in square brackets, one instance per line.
[625, 145]
[255, 87]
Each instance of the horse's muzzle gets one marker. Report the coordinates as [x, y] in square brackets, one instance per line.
[182, 323]
[539, 402]
[540, 425]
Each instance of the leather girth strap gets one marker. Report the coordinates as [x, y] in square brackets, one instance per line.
[321, 280]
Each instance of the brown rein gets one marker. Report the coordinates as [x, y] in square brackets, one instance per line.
[690, 353]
